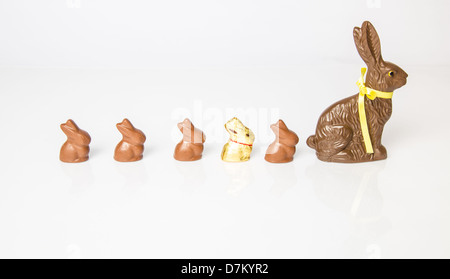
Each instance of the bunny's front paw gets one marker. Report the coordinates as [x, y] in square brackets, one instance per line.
[380, 153]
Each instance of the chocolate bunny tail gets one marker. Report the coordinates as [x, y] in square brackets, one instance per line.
[311, 142]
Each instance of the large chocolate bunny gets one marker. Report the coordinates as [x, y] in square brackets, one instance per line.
[76, 148]
[190, 148]
[131, 147]
[339, 137]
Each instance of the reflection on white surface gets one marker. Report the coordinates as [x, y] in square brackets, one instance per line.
[134, 173]
[240, 176]
[283, 176]
[80, 175]
[193, 174]
[353, 190]
[350, 188]
[161, 208]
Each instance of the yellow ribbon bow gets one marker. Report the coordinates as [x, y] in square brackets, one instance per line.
[371, 94]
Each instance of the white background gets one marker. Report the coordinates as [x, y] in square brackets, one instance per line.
[157, 62]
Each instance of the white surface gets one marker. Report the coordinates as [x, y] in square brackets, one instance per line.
[215, 33]
[163, 208]
[211, 60]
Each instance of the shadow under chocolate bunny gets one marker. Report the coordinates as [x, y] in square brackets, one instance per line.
[353, 190]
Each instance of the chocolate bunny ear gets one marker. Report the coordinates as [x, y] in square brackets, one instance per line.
[282, 131]
[70, 128]
[74, 133]
[278, 127]
[186, 126]
[128, 131]
[125, 127]
[368, 43]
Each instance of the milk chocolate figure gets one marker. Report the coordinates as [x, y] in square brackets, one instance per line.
[76, 148]
[131, 147]
[190, 148]
[282, 150]
[338, 136]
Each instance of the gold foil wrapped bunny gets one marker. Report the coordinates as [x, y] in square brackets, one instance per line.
[239, 146]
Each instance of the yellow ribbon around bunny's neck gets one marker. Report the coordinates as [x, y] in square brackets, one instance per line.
[371, 94]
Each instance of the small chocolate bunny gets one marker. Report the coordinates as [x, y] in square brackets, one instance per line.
[339, 134]
[282, 150]
[76, 148]
[190, 148]
[131, 147]
[240, 145]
